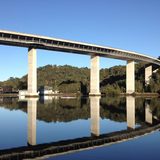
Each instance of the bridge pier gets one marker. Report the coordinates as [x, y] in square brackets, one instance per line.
[94, 76]
[148, 74]
[32, 72]
[95, 115]
[32, 117]
[130, 77]
[130, 109]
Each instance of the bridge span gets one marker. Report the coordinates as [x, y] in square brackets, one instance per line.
[33, 42]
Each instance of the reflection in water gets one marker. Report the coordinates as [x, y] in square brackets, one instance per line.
[130, 107]
[48, 99]
[32, 117]
[67, 110]
[95, 115]
[61, 112]
[148, 112]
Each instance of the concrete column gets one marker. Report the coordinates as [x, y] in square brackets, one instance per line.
[32, 72]
[32, 117]
[130, 107]
[95, 115]
[148, 113]
[148, 74]
[130, 77]
[94, 76]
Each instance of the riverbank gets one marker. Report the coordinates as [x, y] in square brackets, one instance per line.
[141, 94]
[9, 95]
[77, 95]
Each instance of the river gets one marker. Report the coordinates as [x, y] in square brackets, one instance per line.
[79, 128]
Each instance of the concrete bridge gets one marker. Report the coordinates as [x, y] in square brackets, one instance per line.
[33, 42]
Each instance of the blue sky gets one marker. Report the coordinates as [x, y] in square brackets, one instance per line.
[127, 24]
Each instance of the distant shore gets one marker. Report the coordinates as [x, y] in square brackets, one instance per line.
[76, 95]
[141, 94]
[8, 94]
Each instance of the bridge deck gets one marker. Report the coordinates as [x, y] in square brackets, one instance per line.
[48, 43]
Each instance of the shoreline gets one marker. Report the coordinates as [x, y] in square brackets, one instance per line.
[141, 94]
[79, 95]
[15, 95]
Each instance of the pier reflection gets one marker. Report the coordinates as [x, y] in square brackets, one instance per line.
[130, 110]
[95, 115]
[32, 117]
[148, 112]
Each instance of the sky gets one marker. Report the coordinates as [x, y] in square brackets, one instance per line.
[126, 24]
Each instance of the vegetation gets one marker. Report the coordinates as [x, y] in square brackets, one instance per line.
[68, 79]
[65, 110]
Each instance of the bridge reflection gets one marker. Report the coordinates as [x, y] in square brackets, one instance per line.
[130, 109]
[32, 117]
[33, 149]
[94, 116]
[148, 112]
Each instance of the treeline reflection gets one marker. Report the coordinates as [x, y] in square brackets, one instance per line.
[58, 109]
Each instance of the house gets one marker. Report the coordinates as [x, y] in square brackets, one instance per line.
[44, 90]
[1, 89]
[8, 89]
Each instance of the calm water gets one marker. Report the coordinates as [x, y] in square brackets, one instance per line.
[52, 119]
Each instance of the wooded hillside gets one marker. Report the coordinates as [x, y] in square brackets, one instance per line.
[69, 79]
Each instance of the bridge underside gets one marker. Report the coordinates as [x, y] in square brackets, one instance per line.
[107, 54]
[47, 43]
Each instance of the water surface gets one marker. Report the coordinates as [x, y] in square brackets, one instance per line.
[29, 122]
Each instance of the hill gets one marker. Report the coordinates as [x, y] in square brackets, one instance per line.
[69, 79]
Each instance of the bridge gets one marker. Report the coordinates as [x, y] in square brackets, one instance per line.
[33, 42]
